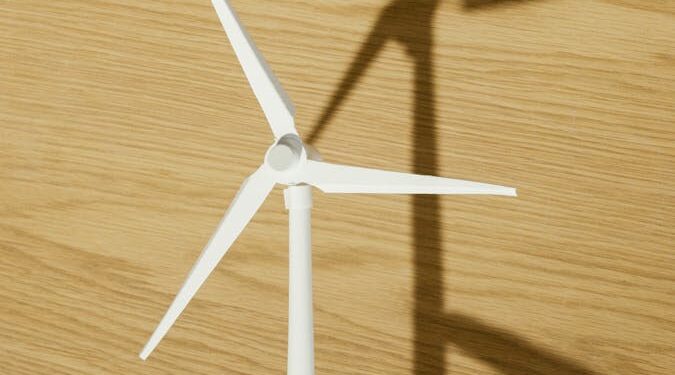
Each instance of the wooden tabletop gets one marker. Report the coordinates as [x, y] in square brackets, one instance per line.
[126, 128]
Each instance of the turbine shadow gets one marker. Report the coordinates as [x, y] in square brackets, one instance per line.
[470, 5]
[409, 23]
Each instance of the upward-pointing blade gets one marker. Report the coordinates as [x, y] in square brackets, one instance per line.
[273, 99]
[335, 178]
[251, 195]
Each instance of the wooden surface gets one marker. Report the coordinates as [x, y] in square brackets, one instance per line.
[126, 128]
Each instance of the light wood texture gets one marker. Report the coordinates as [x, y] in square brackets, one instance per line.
[126, 128]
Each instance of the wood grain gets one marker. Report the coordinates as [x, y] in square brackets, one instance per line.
[126, 128]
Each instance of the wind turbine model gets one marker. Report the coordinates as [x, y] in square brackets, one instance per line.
[290, 162]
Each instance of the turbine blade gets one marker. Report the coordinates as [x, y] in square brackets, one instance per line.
[251, 195]
[273, 99]
[335, 178]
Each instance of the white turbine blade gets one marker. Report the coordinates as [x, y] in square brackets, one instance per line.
[335, 178]
[251, 195]
[273, 99]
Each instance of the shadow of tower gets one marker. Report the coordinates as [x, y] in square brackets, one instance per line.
[410, 24]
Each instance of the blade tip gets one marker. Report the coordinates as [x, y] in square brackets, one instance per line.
[144, 354]
[505, 191]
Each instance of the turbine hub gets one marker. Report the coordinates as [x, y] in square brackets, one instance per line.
[282, 157]
[285, 154]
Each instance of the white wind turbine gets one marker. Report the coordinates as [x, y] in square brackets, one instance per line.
[290, 162]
